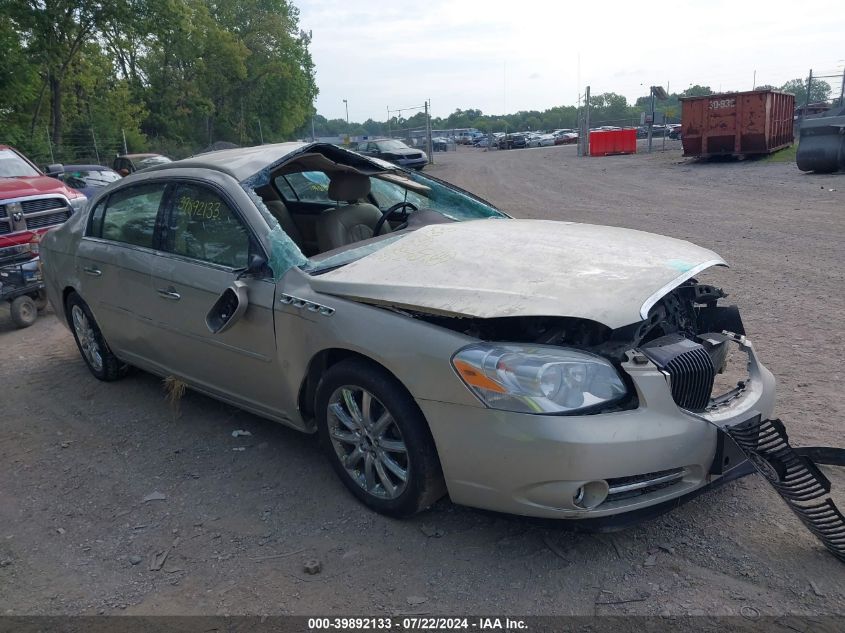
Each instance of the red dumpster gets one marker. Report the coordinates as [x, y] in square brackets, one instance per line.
[608, 142]
[737, 123]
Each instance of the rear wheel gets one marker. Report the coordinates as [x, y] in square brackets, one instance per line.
[92, 346]
[377, 440]
[24, 311]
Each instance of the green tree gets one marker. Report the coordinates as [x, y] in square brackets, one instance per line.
[55, 32]
[819, 90]
[697, 91]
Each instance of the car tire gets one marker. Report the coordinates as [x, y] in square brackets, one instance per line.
[24, 312]
[366, 454]
[90, 341]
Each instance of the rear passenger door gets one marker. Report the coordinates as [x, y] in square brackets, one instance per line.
[114, 261]
[205, 244]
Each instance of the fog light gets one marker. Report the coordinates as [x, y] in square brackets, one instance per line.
[590, 495]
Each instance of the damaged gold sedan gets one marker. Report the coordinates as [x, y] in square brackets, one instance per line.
[435, 344]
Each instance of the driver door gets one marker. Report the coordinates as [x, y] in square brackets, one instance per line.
[205, 244]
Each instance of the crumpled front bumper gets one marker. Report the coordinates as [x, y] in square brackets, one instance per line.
[578, 467]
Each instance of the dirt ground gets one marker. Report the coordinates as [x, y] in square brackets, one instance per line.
[78, 457]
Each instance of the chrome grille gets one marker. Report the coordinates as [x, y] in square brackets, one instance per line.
[688, 366]
[41, 204]
[621, 488]
[692, 374]
[33, 214]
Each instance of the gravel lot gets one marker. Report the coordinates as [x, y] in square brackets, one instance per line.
[78, 457]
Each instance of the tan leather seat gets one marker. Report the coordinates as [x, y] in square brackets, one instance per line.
[280, 212]
[340, 226]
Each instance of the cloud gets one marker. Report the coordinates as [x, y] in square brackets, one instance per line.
[479, 54]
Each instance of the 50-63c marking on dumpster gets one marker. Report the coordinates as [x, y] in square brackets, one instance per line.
[717, 104]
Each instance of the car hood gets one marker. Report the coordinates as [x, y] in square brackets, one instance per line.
[21, 187]
[507, 268]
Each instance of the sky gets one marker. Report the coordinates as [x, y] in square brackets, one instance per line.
[533, 55]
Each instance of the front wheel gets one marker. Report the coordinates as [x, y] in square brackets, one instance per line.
[377, 440]
[92, 346]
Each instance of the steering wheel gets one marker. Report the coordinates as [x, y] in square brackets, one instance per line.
[390, 211]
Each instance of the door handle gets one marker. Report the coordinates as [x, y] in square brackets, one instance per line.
[169, 293]
[94, 272]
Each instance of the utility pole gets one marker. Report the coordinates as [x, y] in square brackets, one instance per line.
[754, 83]
[261, 134]
[50, 145]
[807, 98]
[584, 138]
[651, 123]
[96, 151]
[346, 104]
[388, 123]
[842, 91]
[125, 151]
[428, 145]
[313, 137]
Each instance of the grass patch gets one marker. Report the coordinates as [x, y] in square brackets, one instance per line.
[785, 155]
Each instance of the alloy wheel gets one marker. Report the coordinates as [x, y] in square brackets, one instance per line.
[87, 338]
[368, 442]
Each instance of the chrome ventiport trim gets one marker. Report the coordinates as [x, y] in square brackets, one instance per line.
[311, 306]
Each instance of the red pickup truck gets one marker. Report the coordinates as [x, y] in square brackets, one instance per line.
[30, 202]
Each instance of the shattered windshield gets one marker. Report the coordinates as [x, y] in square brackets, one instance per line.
[421, 191]
[454, 203]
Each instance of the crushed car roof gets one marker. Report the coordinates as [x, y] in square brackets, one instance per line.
[243, 163]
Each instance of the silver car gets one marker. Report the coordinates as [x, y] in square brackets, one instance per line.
[433, 343]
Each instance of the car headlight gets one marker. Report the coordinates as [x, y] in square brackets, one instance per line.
[78, 203]
[538, 379]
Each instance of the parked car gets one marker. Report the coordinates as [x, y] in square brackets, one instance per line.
[395, 152]
[130, 163]
[511, 141]
[566, 138]
[532, 139]
[440, 144]
[30, 202]
[84, 178]
[540, 140]
[466, 137]
[577, 384]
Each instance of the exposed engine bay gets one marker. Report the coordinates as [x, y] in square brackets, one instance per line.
[690, 310]
[684, 335]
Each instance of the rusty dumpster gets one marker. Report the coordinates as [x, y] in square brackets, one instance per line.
[737, 123]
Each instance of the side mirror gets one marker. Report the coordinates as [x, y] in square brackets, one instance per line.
[56, 168]
[228, 308]
[254, 268]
